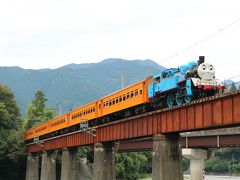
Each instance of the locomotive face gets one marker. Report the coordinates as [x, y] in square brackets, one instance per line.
[206, 71]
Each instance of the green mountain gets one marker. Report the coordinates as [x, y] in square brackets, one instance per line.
[73, 85]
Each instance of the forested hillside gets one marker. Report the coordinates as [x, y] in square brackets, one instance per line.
[75, 84]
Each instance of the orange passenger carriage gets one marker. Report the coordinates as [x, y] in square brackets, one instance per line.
[58, 123]
[128, 97]
[29, 134]
[123, 99]
[84, 113]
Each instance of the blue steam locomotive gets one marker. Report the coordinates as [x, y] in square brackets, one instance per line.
[183, 84]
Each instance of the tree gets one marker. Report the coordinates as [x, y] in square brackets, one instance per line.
[10, 117]
[37, 111]
[224, 161]
[132, 165]
[39, 104]
[12, 149]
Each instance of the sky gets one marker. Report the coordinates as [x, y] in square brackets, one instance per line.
[52, 33]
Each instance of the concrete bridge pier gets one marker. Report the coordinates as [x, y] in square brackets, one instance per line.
[197, 158]
[48, 169]
[32, 171]
[69, 169]
[104, 161]
[167, 157]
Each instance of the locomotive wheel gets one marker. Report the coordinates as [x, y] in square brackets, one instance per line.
[161, 104]
[179, 98]
[170, 100]
[187, 99]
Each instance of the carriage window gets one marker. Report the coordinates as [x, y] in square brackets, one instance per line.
[132, 94]
[104, 105]
[107, 103]
[128, 95]
[140, 91]
[113, 101]
[91, 110]
[94, 109]
[120, 99]
[110, 103]
[116, 100]
[136, 92]
[124, 97]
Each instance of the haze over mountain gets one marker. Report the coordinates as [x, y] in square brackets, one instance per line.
[73, 85]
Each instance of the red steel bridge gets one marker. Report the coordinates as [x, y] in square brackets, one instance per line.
[214, 112]
[158, 130]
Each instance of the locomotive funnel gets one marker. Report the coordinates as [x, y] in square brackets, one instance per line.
[201, 60]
